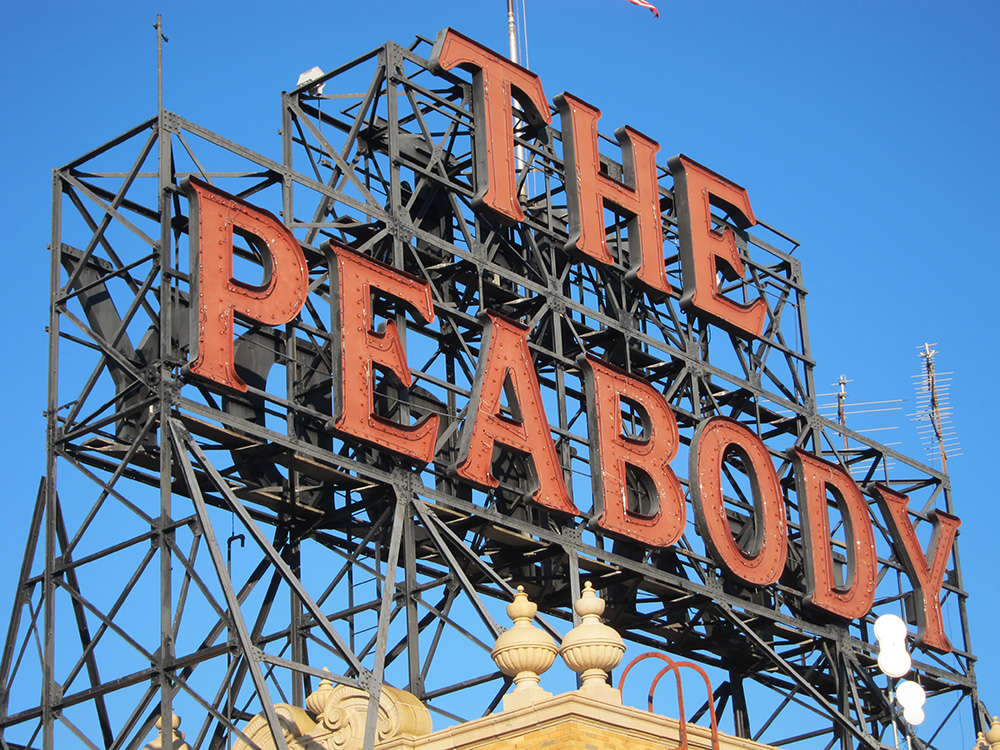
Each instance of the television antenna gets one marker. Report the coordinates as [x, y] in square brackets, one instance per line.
[938, 435]
[840, 410]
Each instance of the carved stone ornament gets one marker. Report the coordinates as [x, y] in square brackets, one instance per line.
[524, 652]
[992, 735]
[592, 649]
[334, 719]
[176, 735]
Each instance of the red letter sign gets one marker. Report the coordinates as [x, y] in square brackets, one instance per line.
[495, 80]
[764, 562]
[695, 190]
[588, 190]
[926, 572]
[214, 217]
[813, 478]
[358, 349]
[505, 366]
[611, 452]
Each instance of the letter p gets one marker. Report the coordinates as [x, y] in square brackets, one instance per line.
[215, 215]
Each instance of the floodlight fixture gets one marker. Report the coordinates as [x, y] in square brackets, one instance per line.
[308, 77]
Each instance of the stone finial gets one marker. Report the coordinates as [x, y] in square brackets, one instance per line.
[524, 652]
[316, 701]
[592, 649]
[176, 735]
[993, 734]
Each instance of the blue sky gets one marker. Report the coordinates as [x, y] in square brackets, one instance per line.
[867, 130]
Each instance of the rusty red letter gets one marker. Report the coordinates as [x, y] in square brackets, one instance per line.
[926, 571]
[696, 189]
[215, 215]
[814, 477]
[495, 80]
[589, 190]
[505, 367]
[612, 452]
[763, 560]
[358, 349]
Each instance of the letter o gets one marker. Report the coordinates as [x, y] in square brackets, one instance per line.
[763, 564]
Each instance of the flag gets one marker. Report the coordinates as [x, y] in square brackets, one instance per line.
[644, 4]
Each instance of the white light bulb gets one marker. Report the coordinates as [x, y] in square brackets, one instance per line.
[890, 628]
[910, 694]
[914, 715]
[894, 662]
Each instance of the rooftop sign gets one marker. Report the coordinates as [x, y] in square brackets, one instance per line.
[696, 232]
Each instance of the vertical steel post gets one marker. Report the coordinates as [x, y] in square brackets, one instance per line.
[51, 498]
[416, 685]
[164, 388]
[298, 641]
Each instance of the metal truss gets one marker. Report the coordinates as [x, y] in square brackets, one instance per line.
[210, 554]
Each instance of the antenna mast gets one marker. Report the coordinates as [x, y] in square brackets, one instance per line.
[844, 409]
[932, 398]
[841, 398]
[160, 39]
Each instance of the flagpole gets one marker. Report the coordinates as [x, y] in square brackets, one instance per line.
[511, 31]
[512, 46]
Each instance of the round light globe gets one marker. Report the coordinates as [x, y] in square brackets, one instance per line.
[889, 628]
[894, 662]
[910, 694]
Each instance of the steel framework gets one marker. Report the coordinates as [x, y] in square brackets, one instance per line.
[209, 554]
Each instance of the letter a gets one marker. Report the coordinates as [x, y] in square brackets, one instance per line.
[506, 367]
